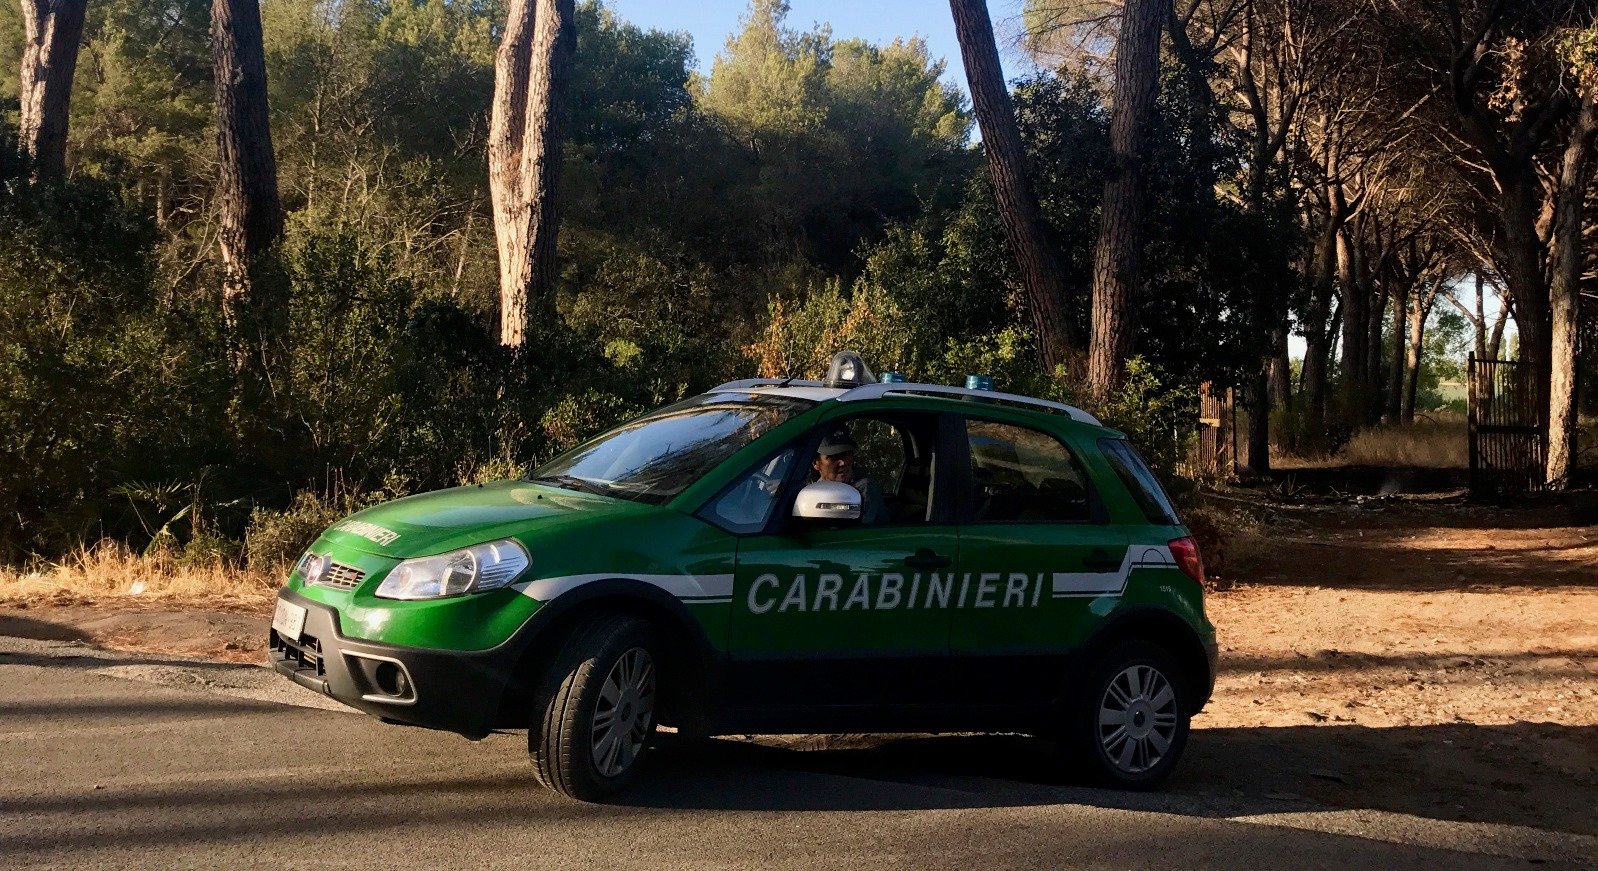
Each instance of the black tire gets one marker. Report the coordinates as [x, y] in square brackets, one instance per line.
[1139, 752]
[567, 709]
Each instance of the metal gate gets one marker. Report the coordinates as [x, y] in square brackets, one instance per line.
[1508, 433]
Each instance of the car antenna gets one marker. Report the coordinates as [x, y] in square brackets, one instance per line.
[786, 381]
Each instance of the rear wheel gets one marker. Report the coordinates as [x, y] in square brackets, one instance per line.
[595, 711]
[1129, 723]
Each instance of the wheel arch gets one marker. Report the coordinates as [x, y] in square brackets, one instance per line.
[689, 659]
[1168, 630]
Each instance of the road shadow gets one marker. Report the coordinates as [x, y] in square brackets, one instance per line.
[94, 658]
[1227, 773]
[1349, 510]
[1380, 559]
[1537, 775]
[39, 630]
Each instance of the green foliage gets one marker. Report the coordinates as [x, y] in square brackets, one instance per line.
[94, 370]
[1442, 358]
[275, 538]
[141, 102]
[574, 418]
[808, 194]
[1155, 415]
[837, 138]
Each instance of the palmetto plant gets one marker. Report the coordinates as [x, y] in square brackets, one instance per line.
[176, 501]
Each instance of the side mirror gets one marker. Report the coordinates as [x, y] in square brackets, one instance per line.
[827, 500]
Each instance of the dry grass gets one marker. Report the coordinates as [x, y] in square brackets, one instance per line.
[111, 571]
[1434, 441]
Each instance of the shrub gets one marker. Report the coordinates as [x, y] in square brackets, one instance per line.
[95, 368]
[275, 538]
[577, 417]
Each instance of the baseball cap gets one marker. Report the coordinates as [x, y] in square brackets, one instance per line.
[836, 442]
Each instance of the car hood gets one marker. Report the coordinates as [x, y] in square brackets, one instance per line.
[443, 520]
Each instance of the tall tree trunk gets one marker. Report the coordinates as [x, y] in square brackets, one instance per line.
[1527, 284]
[1376, 306]
[1396, 370]
[1480, 321]
[1270, 387]
[1258, 395]
[1354, 376]
[51, 32]
[1118, 256]
[1565, 292]
[1280, 367]
[1042, 277]
[524, 154]
[1495, 341]
[250, 213]
[1323, 270]
[1420, 310]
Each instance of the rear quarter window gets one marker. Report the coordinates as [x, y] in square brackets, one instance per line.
[1140, 482]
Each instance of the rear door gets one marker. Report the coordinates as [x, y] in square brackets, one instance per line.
[1039, 558]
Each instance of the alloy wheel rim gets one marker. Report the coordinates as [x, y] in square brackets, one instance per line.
[1137, 719]
[624, 712]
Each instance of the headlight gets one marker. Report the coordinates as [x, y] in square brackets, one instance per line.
[312, 567]
[469, 570]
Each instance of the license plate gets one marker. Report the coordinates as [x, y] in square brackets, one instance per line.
[288, 620]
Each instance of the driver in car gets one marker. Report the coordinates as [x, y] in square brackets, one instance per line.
[835, 461]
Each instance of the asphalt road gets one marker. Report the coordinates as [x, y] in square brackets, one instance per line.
[115, 761]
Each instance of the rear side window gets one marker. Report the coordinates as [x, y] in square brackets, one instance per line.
[1022, 475]
[1139, 481]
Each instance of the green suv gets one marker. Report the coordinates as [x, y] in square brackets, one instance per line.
[777, 556]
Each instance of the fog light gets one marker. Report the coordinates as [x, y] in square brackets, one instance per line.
[390, 678]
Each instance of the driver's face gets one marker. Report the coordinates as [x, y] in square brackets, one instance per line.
[839, 467]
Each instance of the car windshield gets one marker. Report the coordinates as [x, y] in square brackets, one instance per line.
[657, 456]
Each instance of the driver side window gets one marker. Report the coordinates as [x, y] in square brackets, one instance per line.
[889, 458]
[746, 506]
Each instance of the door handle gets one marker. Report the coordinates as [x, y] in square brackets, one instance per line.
[926, 559]
[1100, 561]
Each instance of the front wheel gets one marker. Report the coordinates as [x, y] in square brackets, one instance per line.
[595, 711]
[1130, 721]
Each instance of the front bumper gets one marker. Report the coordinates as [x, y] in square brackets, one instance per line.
[456, 691]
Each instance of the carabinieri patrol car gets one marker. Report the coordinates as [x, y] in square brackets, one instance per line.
[778, 556]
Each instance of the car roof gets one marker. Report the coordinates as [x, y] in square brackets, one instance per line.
[817, 391]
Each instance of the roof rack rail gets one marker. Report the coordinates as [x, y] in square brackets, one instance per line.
[751, 383]
[878, 391]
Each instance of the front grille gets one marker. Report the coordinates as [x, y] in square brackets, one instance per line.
[341, 577]
[304, 655]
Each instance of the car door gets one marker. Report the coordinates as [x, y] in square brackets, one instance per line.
[839, 615]
[1042, 556]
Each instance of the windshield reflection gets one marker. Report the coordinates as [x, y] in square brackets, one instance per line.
[658, 456]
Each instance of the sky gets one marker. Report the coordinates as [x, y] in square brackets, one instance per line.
[711, 21]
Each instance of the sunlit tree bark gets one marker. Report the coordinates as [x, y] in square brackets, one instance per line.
[524, 154]
[52, 30]
[1042, 277]
[249, 211]
[1576, 170]
[1118, 256]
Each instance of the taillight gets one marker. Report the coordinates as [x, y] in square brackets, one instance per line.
[1188, 558]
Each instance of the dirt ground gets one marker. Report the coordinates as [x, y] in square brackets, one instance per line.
[1419, 656]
